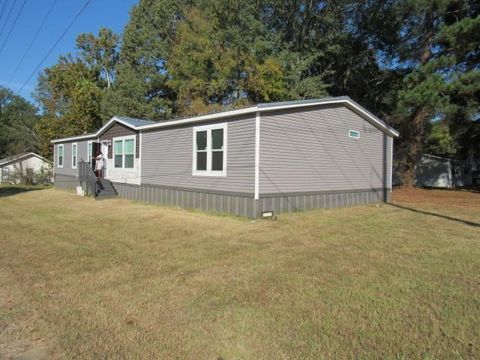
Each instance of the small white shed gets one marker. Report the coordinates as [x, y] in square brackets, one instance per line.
[12, 166]
[440, 172]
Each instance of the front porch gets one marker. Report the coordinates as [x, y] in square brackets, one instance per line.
[94, 184]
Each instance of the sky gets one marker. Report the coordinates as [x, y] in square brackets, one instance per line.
[112, 14]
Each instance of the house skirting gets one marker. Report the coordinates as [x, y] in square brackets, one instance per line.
[238, 204]
[65, 182]
[228, 203]
[244, 204]
[283, 203]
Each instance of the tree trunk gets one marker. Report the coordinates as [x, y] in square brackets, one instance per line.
[414, 147]
[417, 125]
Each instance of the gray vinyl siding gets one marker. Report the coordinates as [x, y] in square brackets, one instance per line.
[118, 130]
[67, 157]
[82, 150]
[167, 158]
[309, 150]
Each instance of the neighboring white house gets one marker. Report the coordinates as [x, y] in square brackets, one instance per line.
[24, 164]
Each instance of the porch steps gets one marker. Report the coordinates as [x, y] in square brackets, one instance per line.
[105, 190]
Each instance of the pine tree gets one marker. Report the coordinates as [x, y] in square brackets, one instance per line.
[141, 85]
[444, 82]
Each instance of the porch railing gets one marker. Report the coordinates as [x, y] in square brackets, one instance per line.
[87, 178]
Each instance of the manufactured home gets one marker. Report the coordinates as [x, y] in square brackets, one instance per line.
[274, 157]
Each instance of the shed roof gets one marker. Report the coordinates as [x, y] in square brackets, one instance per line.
[16, 157]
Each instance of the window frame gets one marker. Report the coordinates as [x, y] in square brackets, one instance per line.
[62, 146]
[122, 139]
[5, 172]
[353, 136]
[209, 150]
[89, 151]
[75, 155]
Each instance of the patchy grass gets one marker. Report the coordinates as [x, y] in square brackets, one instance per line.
[117, 279]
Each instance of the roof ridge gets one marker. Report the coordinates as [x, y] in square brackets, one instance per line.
[144, 124]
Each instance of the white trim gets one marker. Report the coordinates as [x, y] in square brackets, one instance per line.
[54, 167]
[102, 129]
[76, 155]
[220, 115]
[391, 164]
[123, 138]
[80, 137]
[257, 155]
[104, 150]
[253, 109]
[345, 101]
[209, 150]
[111, 121]
[63, 155]
[90, 146]
[354, 137]
[139, 158]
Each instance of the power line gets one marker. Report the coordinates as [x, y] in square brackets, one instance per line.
[40, 28]
[8, 16]
[55, 44]
[13, 25]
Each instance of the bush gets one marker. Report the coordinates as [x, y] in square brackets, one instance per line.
[28, 176]
[44, 175]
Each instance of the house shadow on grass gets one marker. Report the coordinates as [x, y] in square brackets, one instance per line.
[11, 190]
[466, 222]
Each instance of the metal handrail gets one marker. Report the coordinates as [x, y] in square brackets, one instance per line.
[87, 175]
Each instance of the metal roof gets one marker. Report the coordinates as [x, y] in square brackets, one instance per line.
[142, 124]
[135, 122]
[301, 102]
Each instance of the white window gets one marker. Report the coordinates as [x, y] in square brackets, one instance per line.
[74, 155]
[354, 134]
[89, 151]
[124, 152]
[210, 150]
[60, 156]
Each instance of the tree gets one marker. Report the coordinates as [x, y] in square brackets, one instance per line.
[444, 81]
[413, 63]
[338, 48]
[140, 89]
[70, 98]
[17, 121]
[222, 59]
[100, 53]
[439, 140]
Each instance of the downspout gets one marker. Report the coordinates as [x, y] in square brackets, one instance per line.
[257, 162]
[140, 157]
[391, 164]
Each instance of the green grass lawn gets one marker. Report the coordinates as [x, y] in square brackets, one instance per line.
[117, 279]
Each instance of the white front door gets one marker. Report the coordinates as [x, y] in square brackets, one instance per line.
[105, 159]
